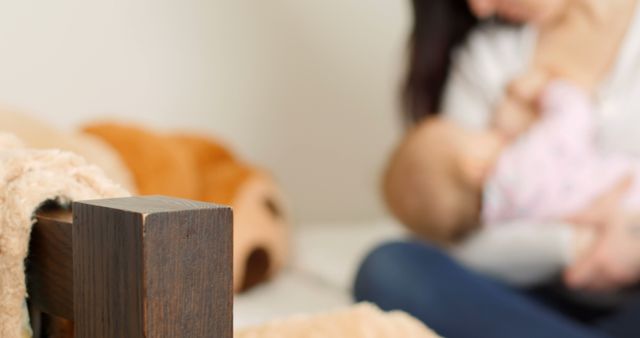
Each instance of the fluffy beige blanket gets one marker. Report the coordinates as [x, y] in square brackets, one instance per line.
[361, 321]
[28, 178]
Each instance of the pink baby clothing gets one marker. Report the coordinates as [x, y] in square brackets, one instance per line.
[556, 169]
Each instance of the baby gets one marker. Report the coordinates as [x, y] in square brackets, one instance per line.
[466, 178]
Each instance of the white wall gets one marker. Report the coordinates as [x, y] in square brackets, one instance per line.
[307, 88]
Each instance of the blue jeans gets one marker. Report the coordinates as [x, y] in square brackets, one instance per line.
[458, 303]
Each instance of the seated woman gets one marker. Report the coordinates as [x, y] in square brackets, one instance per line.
[421, 278]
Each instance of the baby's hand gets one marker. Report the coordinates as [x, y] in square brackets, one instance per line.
[528, 87]
[519, 108]
[513, 117]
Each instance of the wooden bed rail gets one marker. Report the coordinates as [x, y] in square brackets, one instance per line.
[134, 267]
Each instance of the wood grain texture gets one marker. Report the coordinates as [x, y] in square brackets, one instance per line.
[135, 267]
[50, 265]
[152, 267]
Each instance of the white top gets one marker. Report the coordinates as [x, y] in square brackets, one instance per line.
[494, 55]
[491, 58]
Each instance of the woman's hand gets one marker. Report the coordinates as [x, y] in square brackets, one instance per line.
[614, 259]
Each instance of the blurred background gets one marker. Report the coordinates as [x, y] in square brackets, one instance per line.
[304, 88]
[308, 89]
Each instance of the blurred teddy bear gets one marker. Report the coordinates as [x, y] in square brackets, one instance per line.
[180, 165]
[201, 168]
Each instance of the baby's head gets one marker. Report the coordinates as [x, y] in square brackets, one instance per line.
[434, 183]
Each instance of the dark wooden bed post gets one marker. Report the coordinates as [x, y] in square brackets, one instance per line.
[141, 267]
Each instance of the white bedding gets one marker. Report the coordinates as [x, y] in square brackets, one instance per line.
[319, 277]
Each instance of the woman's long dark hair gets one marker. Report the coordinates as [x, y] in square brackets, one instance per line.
[439, 26]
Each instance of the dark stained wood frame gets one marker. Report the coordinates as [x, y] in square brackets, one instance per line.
[134, 267]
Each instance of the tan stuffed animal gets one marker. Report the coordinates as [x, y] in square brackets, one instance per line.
[360, 321]
[183, 166]
[200, 168]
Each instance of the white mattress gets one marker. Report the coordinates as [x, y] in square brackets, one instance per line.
[319, 277]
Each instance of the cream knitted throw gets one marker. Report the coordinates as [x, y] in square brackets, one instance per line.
[360, 321]
[28, 178]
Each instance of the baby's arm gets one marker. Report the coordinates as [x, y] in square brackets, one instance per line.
[535, 95]
[512, 117]
[518, 109]
[565, 127]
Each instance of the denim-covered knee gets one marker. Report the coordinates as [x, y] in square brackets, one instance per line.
[393, 270]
